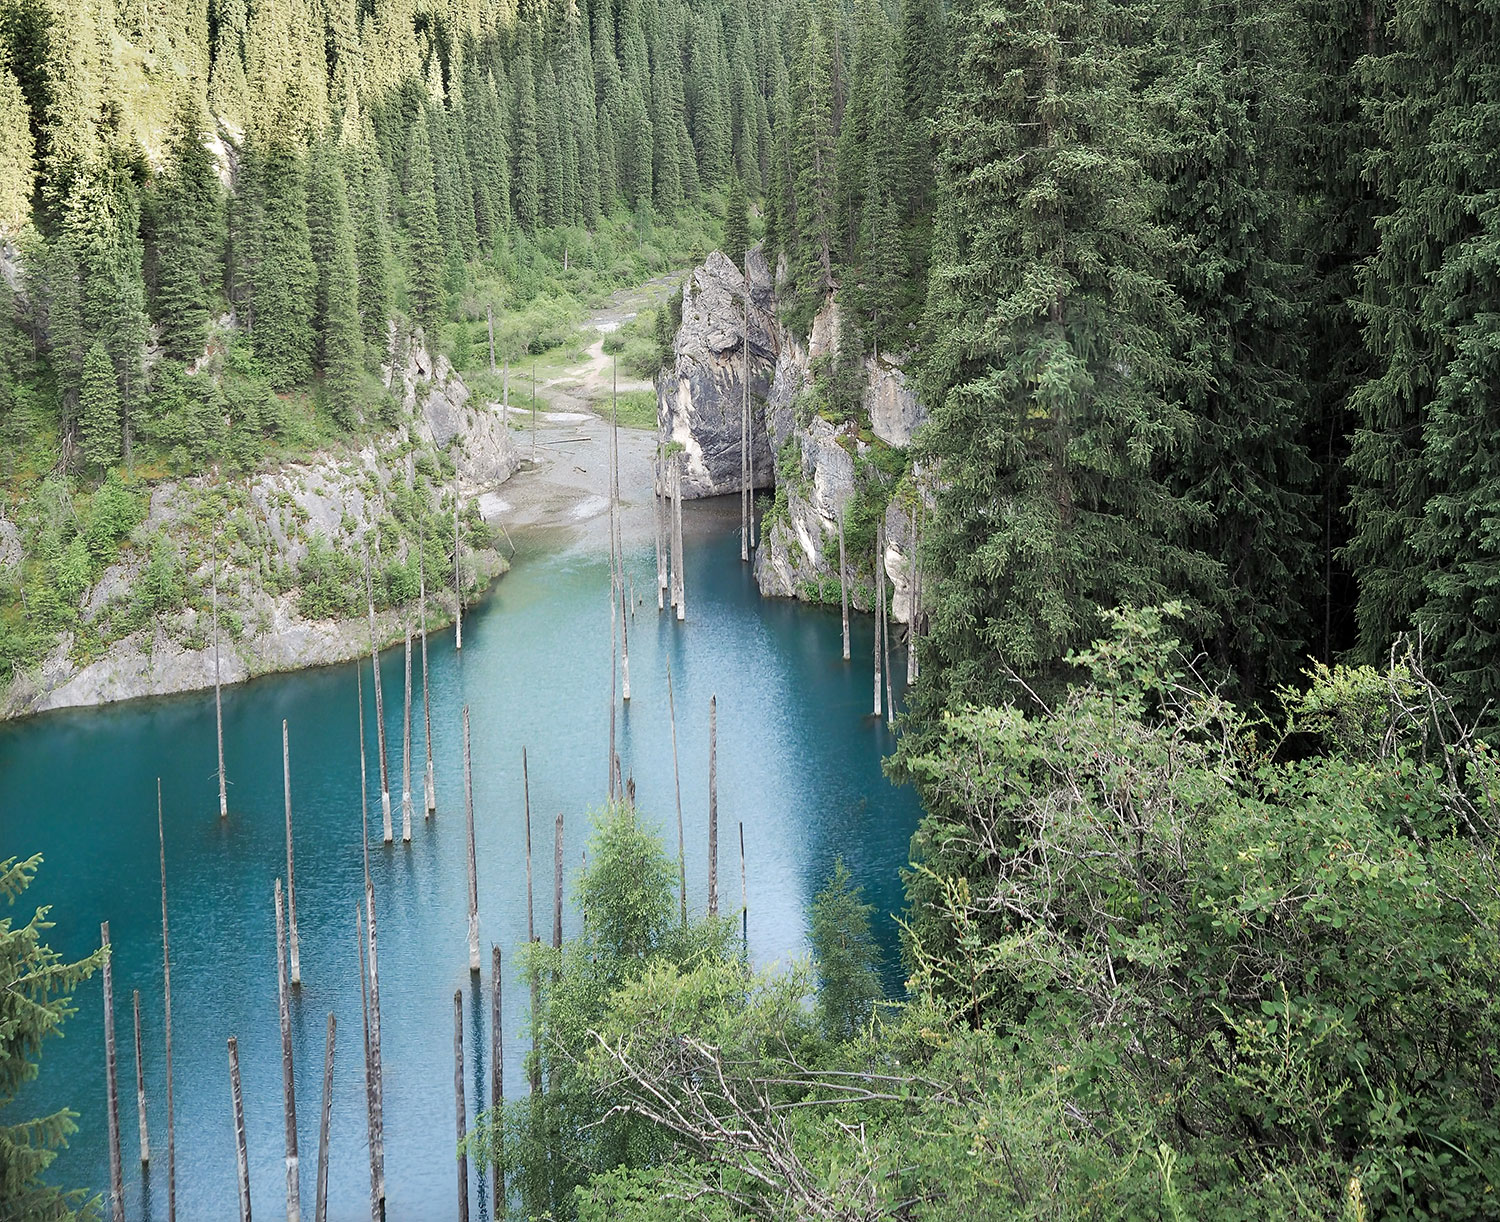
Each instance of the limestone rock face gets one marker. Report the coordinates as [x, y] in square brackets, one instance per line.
[10, 544]
[895, 414]
[798, 552]
[445, 412]
[698, 399]
[336, 496]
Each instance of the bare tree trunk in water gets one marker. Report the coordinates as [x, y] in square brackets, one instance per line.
[241, 1154]
[288, 1091]
[112, 1090]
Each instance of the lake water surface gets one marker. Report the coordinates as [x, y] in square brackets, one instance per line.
[799, 763]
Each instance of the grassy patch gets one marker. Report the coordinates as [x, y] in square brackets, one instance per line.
[637, 409]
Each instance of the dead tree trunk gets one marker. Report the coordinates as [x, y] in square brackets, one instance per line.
[713, 806]
[745, 437]
[557, 883]
[677, 786]
[320, 1206]
[681, 574]
[497, 1079]
[744, 896]
[533, 411]
[505, 396]
[885, 633]
[458, 587]
[526, 793]
[406, 749]
[473, 874]
[218, 700]
[291, 880]
[657, 497]
[614, 655]
[385, 787]
[288, 1092]
[913, 628]
[458, 1102]
[378, 1154]
[844, 586]
[112, 1090]
[241, 1154]
[364, 1013]
[429, 787]
[879, 585]
[140, 1081]
[166, 992]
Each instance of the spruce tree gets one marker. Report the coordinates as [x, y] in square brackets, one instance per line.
[814, 185]
[1425, 464]
[340, 343]
[187, 235]
[425, 256]
[1050, 329]
[99, 409]
[526, 182]
[36, 997]
[17, 156]
[372, 246]
[736, 222]
[285, 277]
[549, 147]
[1245, 478]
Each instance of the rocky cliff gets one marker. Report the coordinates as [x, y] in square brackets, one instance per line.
[824, 465]
[263, 529]
[698, 397]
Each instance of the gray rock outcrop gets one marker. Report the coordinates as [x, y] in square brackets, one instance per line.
[699, 397]
[339, 497]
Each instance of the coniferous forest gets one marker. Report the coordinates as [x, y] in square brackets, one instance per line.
[1203, 917]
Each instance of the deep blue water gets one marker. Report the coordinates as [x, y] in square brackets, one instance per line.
[799, 763]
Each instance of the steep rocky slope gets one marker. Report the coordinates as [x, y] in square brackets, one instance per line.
[266, 530]
[824, 466]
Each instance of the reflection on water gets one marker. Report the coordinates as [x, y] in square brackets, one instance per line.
[799, 764]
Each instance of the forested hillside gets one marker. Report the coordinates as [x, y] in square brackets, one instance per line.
[1204, 301]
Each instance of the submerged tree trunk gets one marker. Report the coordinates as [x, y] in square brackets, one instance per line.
[241, 1153]
[844, 586]
[291, 882]
[458, 588]
[288, 1091]
[429, 787]
[458, 1102]
[166, 993]
[140, 1081]
[713, 806]
[557, 883]
[320, 1200]
[497, 1081]
[385, 787]
[473, 873]
[677, 788]
[218, 699]
[406, 748]
[111, 1084]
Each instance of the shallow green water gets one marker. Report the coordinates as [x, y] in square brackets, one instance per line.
[799, 764]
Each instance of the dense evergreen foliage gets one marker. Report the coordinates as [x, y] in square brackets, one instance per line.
[1205, 303]
[36, 990]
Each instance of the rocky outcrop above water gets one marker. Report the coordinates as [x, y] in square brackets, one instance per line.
[818, 473]
[815, 460]
[699, 396]
[270, 521]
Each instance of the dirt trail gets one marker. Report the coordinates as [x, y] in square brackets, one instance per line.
[579, 385]
[566, 486]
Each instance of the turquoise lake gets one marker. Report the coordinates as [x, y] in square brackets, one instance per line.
[799, 759]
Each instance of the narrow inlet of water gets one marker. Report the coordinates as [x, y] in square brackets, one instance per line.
[799, 760]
